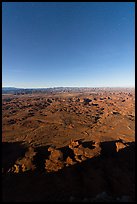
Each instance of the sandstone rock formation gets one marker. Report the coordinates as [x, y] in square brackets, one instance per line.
[120, 145]
[55, 161]
[25, 163]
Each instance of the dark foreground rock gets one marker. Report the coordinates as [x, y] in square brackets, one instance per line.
[108, 176]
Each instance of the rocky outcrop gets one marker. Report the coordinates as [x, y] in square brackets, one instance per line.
[25, 163]
[120, 145]
[86, 101]
[82, 153]
[69, 161]
[55, 161]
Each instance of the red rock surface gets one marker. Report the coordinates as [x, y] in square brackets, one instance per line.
[69, 147]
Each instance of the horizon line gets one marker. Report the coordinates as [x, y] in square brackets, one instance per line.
[69, 87]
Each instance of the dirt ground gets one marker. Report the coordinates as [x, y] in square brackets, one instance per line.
[69, 146]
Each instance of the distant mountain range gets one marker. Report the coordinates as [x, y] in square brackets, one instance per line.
[9, 88]
[18, 91]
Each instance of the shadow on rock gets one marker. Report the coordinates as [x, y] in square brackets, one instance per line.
[111, 173]
[11, 152]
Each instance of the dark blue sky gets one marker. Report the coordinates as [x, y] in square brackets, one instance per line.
[68, 44]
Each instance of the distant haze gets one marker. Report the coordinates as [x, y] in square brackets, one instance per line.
[68, 44]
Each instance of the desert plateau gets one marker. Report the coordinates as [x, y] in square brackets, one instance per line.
[69, 146]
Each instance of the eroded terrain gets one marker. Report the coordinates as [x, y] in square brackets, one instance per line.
[69, 146]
